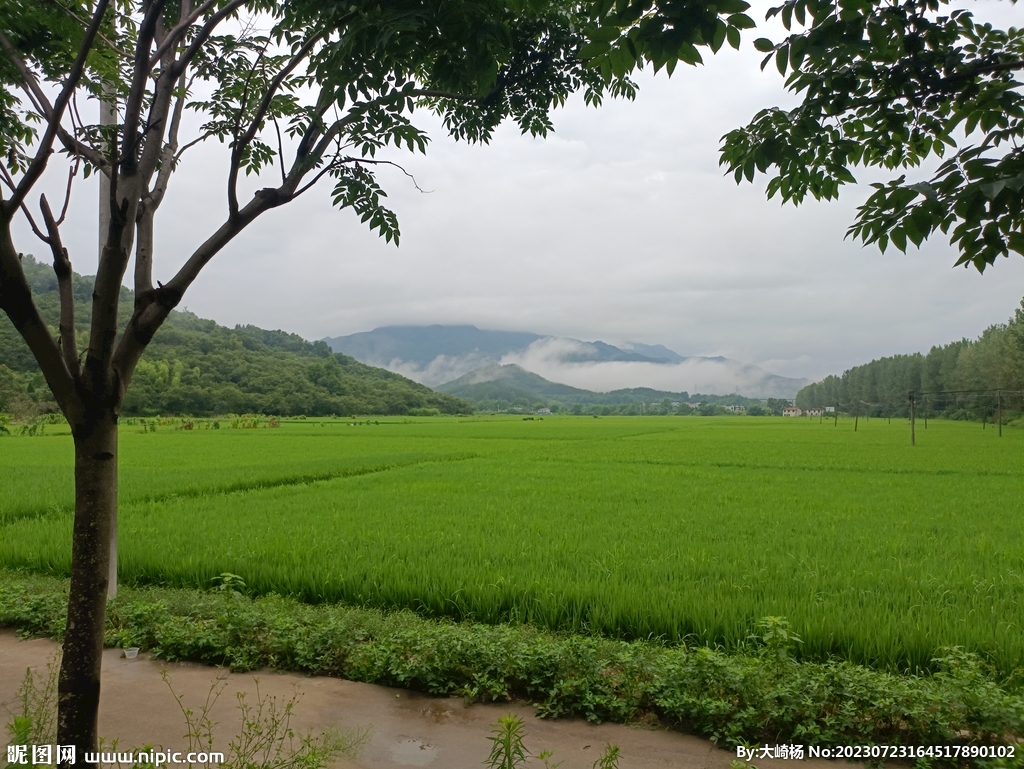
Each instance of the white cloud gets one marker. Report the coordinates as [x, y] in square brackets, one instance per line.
[547, 357]
[443, 368]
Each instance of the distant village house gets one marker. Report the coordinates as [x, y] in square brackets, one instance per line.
[792, 411]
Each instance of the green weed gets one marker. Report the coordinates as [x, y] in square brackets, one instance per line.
[507, 749]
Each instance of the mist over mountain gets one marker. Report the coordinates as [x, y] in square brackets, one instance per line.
[512, 383]
[509, 385]
[656, 351]
[435, 355]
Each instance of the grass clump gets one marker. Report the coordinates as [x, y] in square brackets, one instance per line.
[760, 694]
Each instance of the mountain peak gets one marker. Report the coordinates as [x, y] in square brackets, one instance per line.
[438, 355]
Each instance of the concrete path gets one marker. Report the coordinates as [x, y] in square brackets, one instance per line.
[406, 729]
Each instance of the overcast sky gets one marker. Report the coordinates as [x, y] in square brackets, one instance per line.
[619, 227]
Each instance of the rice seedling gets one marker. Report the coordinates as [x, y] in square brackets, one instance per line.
[672, 528]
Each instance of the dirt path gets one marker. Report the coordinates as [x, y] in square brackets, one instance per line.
[407, 729]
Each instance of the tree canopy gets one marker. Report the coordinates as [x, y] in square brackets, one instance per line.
[962, 376]
[889, 85]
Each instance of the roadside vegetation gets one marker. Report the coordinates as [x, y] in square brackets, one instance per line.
[759, 692]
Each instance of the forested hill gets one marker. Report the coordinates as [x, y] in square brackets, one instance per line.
[994, 361]
[197, 367]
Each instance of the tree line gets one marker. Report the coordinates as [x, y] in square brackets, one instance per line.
[960, 379]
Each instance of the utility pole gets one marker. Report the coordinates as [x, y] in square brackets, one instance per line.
[836, 422]
[108, 118]
[999, 411]
[913, 441]
[856, 414]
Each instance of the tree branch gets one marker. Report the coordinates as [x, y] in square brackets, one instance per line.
[31, 86]
[937, 88]
[143, 254]
[178, 31]
[280, 150]
[16, 301]
[33, 225]
[72, 173]
[985, 69]
[156, 304]
[28, 78]
[100, 36]
[5, 176]
[193, 143]
[204, 33]
[275, 84]
[236, 155]
[137, 90]
[151, 314]
[62, 269]
[42, 157]
[254, 125]
[151, 202]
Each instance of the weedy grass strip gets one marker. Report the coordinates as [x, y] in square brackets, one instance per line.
[761, 694]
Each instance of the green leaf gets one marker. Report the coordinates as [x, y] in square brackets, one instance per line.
[733, 36]
[991, 190]
[719, 39]
[731, 6]
[622, 62]
[741, 21]
[689, 54]
[604, 34]
[899, 238]
[925, 189]
[764, 45]
[590, 50]
[782, 59]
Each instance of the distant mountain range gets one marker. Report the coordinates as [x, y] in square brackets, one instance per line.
[438, 355]
[501, 386]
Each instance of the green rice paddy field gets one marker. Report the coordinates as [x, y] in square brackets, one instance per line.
[676, 528]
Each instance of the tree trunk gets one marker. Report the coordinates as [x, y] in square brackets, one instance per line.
[78, 687]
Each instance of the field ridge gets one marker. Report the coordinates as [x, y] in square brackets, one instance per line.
[244, 486]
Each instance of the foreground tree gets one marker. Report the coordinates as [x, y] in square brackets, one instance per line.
[891, 84]
[322, 92]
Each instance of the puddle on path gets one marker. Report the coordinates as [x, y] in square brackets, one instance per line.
[435, 709]
[410, 752]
